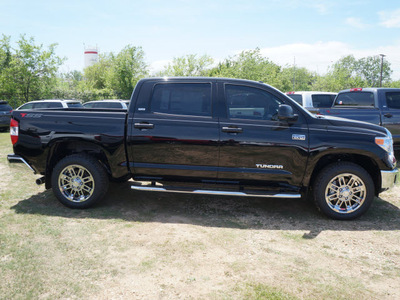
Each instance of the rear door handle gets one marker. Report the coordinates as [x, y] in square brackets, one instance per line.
[232, 129]
[388, 115]
[144, 126]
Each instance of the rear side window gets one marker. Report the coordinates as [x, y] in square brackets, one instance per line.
[322, 101]
[182, 99]
[355, 99]
[297, 98]
[250, 103]
[393, 100]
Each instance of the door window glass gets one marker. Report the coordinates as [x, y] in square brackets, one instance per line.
[393, 100]
[251, 103]
[182, 99]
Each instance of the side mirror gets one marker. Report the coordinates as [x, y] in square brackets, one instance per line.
[285, 113]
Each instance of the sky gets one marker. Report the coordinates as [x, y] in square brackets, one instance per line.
[308, 33]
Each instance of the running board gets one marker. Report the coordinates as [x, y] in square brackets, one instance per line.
[153, 188]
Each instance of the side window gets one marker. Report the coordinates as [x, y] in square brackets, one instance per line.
[250, 103]
[393, 100]
[182, 99]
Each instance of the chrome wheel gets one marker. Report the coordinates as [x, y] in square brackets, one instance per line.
[76, 183]
[345, 193]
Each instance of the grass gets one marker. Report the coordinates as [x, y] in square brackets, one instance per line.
[151, 245]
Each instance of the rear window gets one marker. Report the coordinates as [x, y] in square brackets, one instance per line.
[355, 99]
[297, 98]
[5, 107]
[393, 100]
[322, 101]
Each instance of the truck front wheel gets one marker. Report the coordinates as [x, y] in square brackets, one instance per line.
[343, 191]
[79, 180]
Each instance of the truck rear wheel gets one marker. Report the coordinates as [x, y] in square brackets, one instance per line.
[343, 191]
[79, 180]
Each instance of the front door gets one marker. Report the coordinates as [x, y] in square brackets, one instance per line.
[256, 148]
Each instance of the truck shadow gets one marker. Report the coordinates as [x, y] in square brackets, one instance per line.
[214, 211]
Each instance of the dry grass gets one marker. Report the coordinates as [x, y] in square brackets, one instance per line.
[137, 245]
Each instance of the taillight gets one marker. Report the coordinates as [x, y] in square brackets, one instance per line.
[356, 90]
[14, 131]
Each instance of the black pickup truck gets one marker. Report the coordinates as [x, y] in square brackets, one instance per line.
[208, 136]
[379, 106]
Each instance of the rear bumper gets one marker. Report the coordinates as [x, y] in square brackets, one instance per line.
[13, 158]
[389, 179]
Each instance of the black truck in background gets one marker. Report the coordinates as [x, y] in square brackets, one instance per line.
[207, 136]
[379, 106]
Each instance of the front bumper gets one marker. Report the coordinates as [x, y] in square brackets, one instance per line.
[389, 179]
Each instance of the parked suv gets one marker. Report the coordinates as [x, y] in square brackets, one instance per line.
[312, 101]
[53, 103]
[5, 115]
[121, 104]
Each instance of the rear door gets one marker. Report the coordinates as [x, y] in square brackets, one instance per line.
[257, 148]
[174, 134]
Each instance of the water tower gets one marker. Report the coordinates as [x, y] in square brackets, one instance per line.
[91, 56]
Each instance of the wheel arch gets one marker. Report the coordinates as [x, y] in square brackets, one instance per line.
[363, 161]
[62, 149]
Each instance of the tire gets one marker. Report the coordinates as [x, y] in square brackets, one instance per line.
[343, 191]
[79, 181]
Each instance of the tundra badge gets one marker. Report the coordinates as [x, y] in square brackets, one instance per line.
[298, 137]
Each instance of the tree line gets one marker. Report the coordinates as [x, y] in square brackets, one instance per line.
[30, 71]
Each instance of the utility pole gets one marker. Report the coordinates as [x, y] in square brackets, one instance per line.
[294, 73]
[382, 56]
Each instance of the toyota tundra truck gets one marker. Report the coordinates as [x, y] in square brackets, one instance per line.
[207, 136]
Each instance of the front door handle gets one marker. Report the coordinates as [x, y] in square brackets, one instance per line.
[232, 129]
[388, 115]
[144, 126]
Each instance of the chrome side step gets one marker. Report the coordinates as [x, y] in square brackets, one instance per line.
[153, 188]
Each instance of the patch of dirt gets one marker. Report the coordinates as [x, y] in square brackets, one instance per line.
[181, 246]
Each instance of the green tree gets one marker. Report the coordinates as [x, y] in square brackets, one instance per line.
[348, 72]
[115, 76]
[30, 70]
[250, 65]
[189, 65]
[297, 79]
[128, 67]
